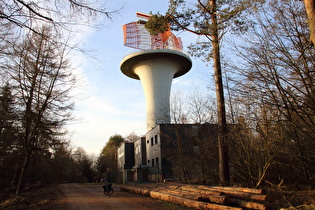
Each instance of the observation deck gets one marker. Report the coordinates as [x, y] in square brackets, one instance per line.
[167, 56]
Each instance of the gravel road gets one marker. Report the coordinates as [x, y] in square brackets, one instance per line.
[86, 196]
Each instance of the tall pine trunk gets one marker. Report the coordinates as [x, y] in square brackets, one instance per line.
[224, 172]
[310, 10]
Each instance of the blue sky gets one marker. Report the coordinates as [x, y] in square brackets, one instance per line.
[112, 103]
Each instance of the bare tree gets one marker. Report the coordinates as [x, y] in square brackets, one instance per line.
[201, 107]
[178, 112]
[41, 76]
[30, 14]
[84, 166]
[20, 17]
[132, 137]
[279, 81]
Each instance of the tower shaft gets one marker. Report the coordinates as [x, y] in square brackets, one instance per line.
[156, 77]
[156, 70]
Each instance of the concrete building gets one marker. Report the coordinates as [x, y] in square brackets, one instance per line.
[140, 167]
[125, 161]
[174, 151]
[183, 152]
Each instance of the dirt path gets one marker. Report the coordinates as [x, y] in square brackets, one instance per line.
[88, 197]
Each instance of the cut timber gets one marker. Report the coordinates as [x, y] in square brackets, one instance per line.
[240, 193]
[220, 199]
[193, 188]
[246, 196]
[203, 197]
[178, 199]
[235, 192]
[239, 189]
[189, 202]
[136, 190]
[248, 204]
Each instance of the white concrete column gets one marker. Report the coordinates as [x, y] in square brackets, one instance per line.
[156, 70]
[156, 78]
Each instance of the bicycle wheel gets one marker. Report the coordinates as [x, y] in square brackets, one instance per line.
[110, 192]
[104, 190]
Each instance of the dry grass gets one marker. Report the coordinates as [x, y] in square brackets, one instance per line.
[44, 197]
[292, 199]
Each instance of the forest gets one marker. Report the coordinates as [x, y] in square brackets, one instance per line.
[260, 56]
[267, 65]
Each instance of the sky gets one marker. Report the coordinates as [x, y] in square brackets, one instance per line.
[109, 102]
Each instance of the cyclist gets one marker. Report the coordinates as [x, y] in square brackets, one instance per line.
[107, 185]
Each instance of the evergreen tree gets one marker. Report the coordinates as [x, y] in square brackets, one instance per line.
[9, 147]
[107, 158]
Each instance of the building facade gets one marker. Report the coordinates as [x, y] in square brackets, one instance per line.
[125, 161]
[183, 152]
[140, 167]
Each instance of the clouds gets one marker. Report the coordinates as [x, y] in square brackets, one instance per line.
[99, 118]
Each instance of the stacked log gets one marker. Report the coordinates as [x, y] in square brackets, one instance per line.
[204, 197]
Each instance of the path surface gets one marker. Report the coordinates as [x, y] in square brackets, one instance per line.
[85, 196]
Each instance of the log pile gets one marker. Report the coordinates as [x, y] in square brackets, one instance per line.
[203, 197]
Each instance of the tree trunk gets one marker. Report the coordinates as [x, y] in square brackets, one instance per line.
[310, 10]
[248, 204]
[23, 174]
[224, 174]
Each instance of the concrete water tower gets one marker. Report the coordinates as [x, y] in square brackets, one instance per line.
[159, 60]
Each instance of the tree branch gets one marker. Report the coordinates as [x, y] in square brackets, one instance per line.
[185, 28]
[33, 11]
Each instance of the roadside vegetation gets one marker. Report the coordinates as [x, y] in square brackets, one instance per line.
[43, 197]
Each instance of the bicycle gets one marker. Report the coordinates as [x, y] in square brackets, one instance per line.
[107, 189]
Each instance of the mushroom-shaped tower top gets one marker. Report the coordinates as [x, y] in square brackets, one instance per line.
[156, 70]
[160, 60]
[178, 58]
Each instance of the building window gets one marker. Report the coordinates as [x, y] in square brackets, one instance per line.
[148, 161]
[156, 139]
[148, 141]
[157, 161]
[152, 141]
[153, 162]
